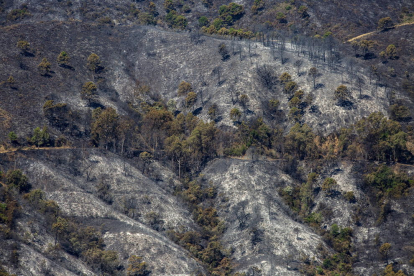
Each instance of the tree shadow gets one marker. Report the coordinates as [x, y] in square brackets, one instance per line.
[319, 85]
[28, 54]
[364, 97]
[197, 111]
[220, 83]
[67, 67]
[314, 109]
[346, 104]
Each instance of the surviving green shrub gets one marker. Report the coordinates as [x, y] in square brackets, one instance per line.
[184, 88]
[12, 137]
[94, 63]
[389, 271]
[294, 102]
[391, 51]
[281, 17]
[290, 87]
[40, 137]
[106, 21]
[244, 100]
[388, 182]
[44, 67]
[350, 196]
[176, 21]
[191, 99]
[63, 59]
[342, 93]
[400, 112]
[102, 260]
[328, 185]
[105, 127]
[203, 21]
[258, 5]
[231, 12]
[217, 23]
[17, 14]
[285, 78]
[16, 179]
[169, 5]
[385, 250]
[146, 18]
[235, 114]
[136, 267]
[24, 46]
[212, 111]
[385, 24]
[89, 91]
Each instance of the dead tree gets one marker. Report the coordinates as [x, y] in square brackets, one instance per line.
[298, 64]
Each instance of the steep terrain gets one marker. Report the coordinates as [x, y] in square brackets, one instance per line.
[162, 60]
[135, 144]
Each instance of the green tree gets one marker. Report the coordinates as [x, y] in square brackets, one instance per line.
[184, 88]
[89, 91]
[366, 46]
[235, 114]
[175, 20]
[285, 78]
[16, 179]
[169, 5]
[44, 67]
[60, 227]
[273, 105]
[136, 267]
[191, 99]
[12, 137]
[212, 111]
[63, 59]
[290, 87]
[40, 137]
[94, 63]
[281, 17]
[385, 250]
[24, 46]
[244, 100]
[342, 93]
[385, 24]
[400, 112]
[203, 21]
[105, 128]
[391, 51]
[328, 185]
[217, 23]
[300, 142]
[294, 102]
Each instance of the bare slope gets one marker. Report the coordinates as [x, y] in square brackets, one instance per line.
[261, 229]
[67, 178]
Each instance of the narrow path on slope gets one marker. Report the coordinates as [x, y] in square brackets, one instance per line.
[374, 32]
